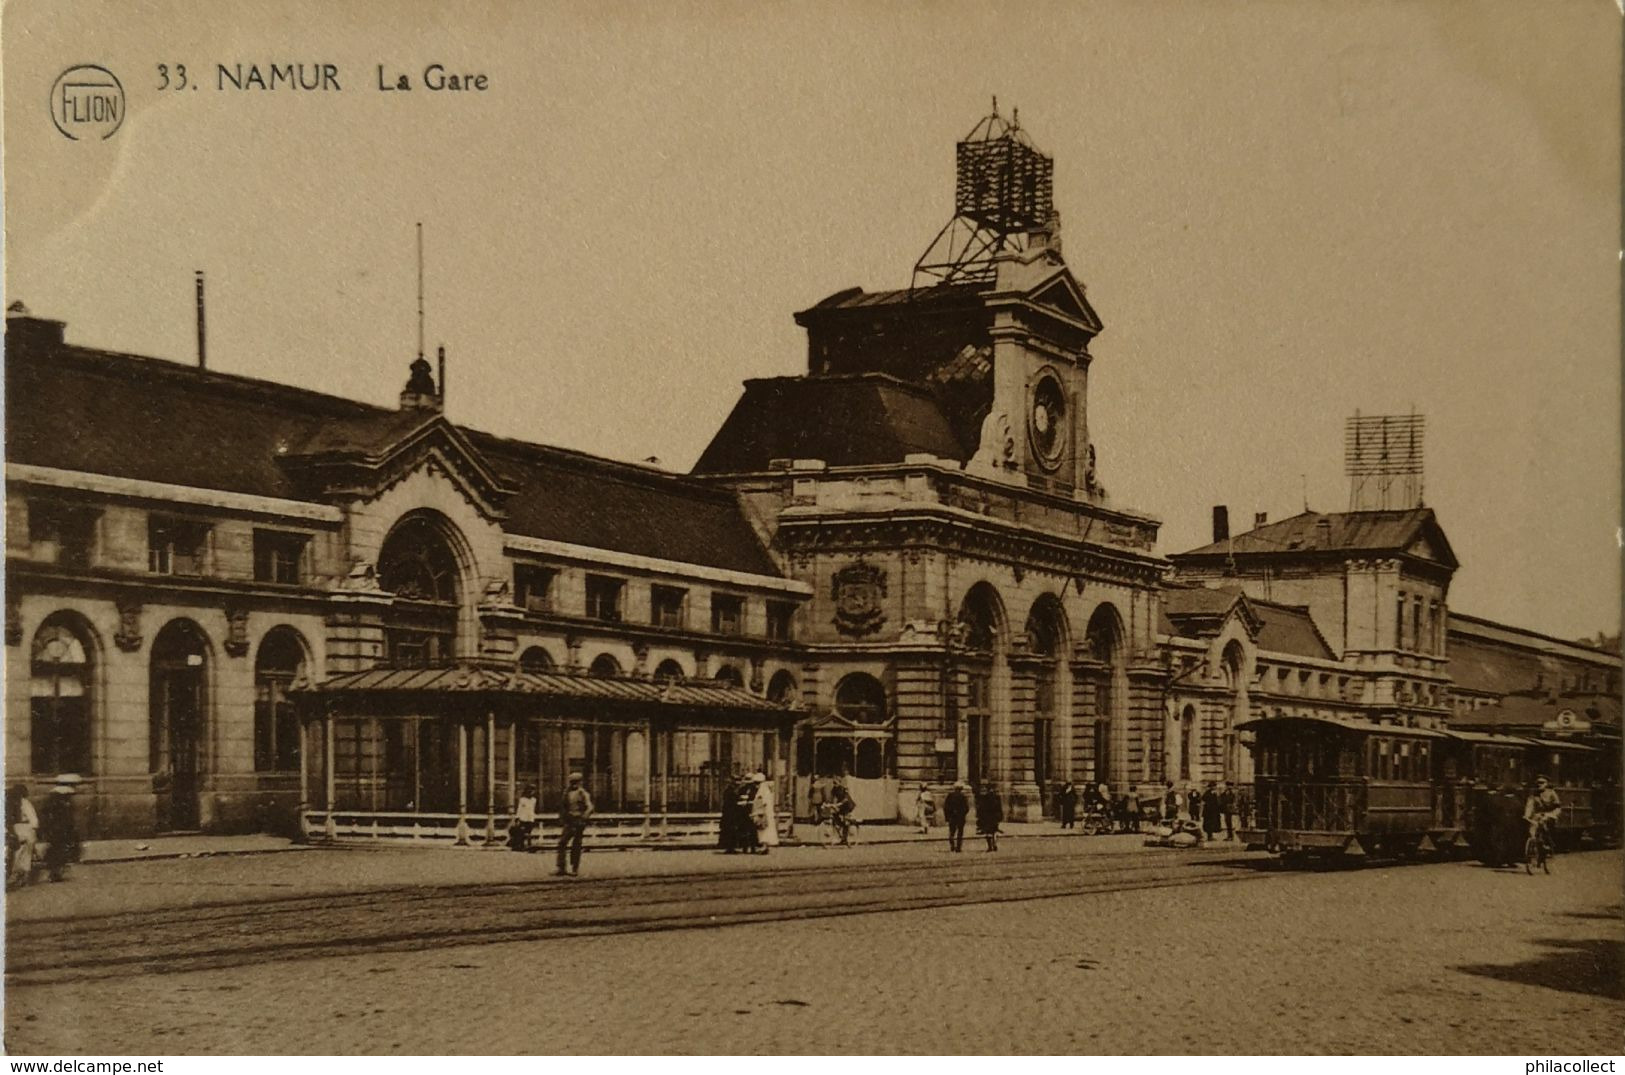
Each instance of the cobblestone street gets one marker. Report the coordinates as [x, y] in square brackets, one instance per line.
[1050, 946]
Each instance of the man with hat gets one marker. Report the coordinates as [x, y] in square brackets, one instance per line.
[57, 828]
[1542, 809]
[574, 810]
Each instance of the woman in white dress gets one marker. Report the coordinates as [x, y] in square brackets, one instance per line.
[764, 812]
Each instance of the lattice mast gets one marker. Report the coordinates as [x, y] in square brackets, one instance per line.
[1003, 192]
[1382, 456]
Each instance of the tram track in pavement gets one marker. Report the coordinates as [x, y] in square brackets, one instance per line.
[221, 935]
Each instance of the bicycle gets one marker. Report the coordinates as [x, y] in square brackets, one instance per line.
[1537, 850]
[835, 828]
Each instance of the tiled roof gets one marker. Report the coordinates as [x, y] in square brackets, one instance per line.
[1281, 628]
[478, 679]
[1354, 531]
[940, 296]
[1290, 629]
[128, 416]
[844, 420]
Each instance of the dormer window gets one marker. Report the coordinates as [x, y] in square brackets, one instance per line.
[604, 598]
[533, 587]
[666, 606]
[176, 546]
[278, 557]
[62, 534]
[727, 614]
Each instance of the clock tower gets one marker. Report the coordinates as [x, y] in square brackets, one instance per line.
[1040, 328]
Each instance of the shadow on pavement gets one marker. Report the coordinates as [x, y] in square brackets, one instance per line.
[1593, 967]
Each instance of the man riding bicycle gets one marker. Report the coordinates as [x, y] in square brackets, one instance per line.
[1541, 810]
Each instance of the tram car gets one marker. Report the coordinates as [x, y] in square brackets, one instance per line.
[1333, 788]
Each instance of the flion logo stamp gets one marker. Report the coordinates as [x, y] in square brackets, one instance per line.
[87, 103]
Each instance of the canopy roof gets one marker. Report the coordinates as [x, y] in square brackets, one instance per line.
[467, 679]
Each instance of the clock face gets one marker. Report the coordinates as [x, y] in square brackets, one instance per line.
[1048, 421]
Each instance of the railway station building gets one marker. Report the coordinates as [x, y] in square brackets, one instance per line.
[236, 605]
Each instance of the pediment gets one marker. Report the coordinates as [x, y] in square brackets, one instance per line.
[362, 458]
[1430, 544]
[1061, 294]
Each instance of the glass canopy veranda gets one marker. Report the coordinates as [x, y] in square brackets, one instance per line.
[448, 751]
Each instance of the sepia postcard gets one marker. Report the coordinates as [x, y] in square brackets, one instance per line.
[824, 530]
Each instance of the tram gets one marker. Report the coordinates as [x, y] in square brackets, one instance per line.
[1337, 788]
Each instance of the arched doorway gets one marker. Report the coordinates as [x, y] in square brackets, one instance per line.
[60, 692]
[1187, 744]
[178, 720]
[1051, 698]
[1103, 644]
[984, 670]
[1238, 760]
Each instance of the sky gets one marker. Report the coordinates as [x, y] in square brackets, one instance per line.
[1283, 212]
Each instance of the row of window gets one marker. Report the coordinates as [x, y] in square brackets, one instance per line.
[62, 692]
[533, 588]
[65, 534]
[1418, 624]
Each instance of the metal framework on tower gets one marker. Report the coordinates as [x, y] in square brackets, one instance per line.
[1382, 456]
[1002, 194]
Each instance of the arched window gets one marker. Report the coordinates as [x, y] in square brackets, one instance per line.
[782, 687]
[669, 671]
[730, 676]
[979, 618]
[861, 699]
[59, 699]
[604, 666]
[535, 659]
[280, 659]
[417, 565]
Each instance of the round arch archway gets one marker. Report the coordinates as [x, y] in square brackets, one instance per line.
[1108, 686]
[425, 563]
[981, 670]
[1237, 759]
[281, 658]
[1049, 756]
[178, 720]
[62, 695]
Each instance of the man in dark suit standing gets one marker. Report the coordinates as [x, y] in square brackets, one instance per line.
[956, 808]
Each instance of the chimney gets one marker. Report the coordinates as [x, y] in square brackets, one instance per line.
[1260, 518]
[25, 330]
[1221, 523]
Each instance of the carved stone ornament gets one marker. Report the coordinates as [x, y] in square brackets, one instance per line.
[236, 643]
[363, 578]
[128, 636]
[859, 591]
